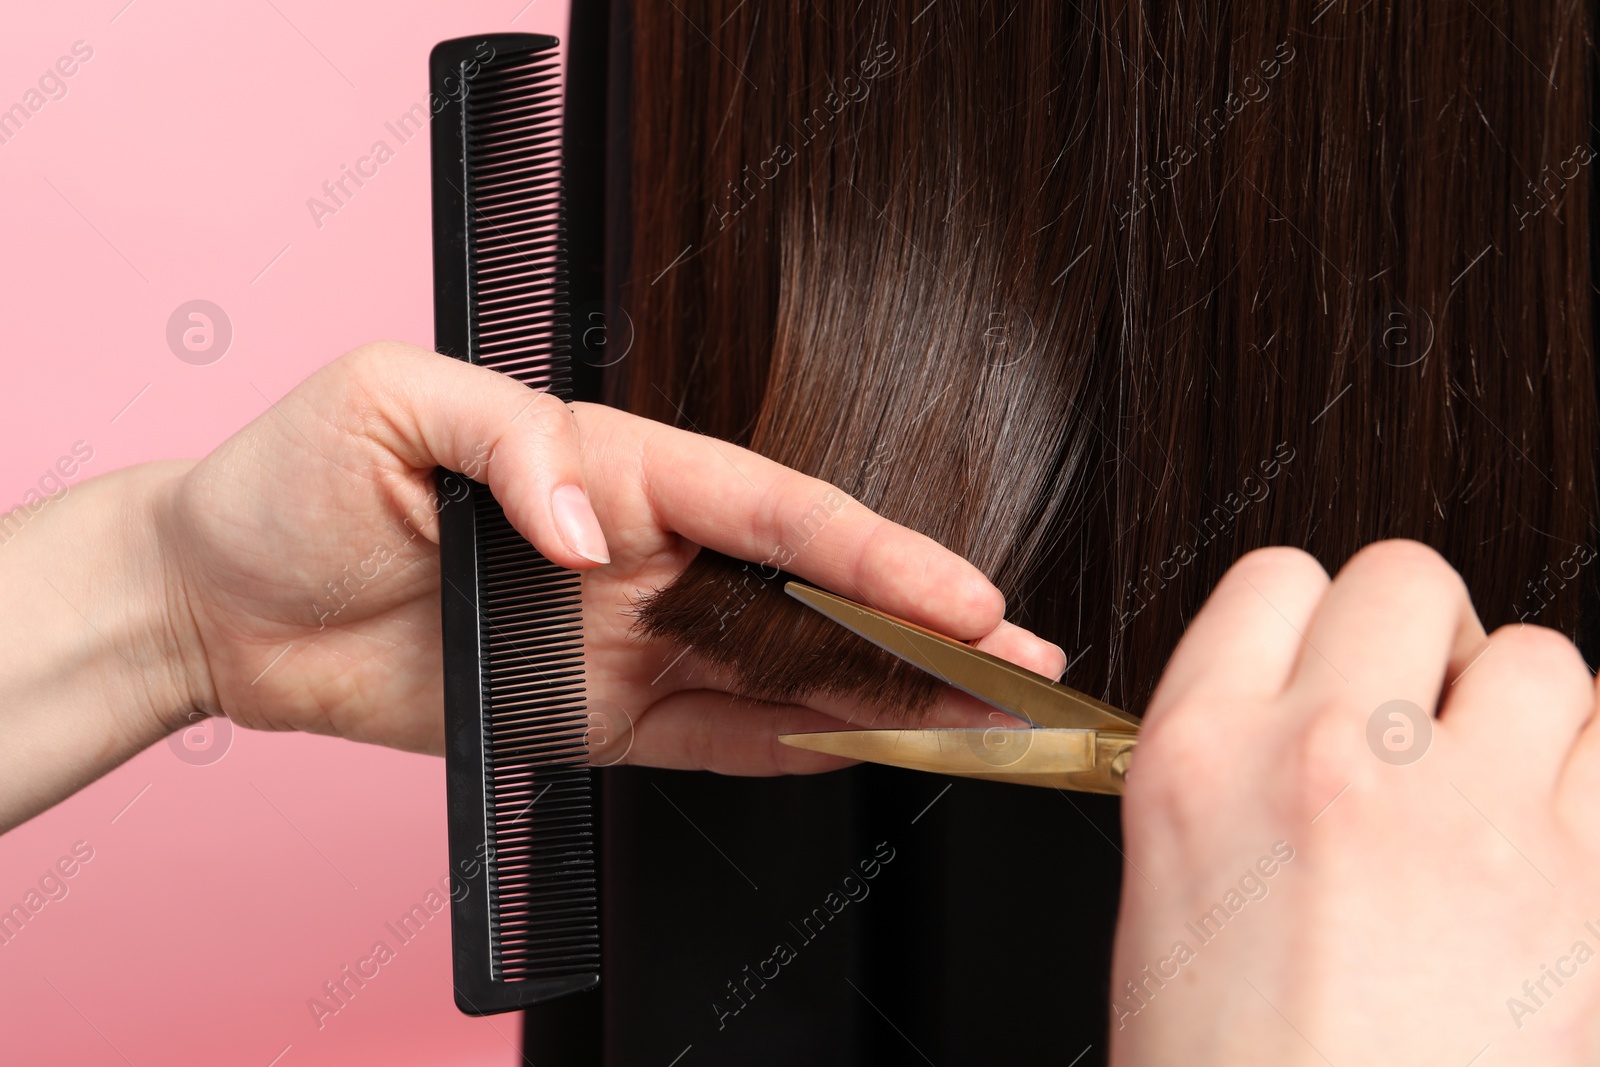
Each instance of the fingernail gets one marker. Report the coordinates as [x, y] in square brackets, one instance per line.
[577, 523]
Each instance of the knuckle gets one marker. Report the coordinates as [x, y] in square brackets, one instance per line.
[1279, 559]
[543, 404]
[373, 362]
[1278, 567]
[1328, 756]
[794, 514]
[361, 360]
[1180, 765]
[1540, 652]
[1408, 566]
[355, 372]
[546, 411]
[366, 378]
[878, 552]
[544, 419]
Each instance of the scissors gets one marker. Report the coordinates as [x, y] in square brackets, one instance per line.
[1073, 741]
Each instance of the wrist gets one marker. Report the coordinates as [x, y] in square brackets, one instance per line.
[129, 587]
[99, 657]
[180, 688]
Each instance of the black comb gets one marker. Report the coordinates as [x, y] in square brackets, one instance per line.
[524, 916]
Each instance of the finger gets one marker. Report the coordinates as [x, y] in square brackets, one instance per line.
[429, 410]
[1396, 624]
[1578, 791]
[1016, 645]
[744, 505]
[1519, 708]
[706, 730]
[1240, 651]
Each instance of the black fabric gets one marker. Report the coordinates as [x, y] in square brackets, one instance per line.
[928, 919]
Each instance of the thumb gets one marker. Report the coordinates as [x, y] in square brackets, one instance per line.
[433, 411]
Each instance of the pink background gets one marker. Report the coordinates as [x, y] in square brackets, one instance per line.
[177, 167]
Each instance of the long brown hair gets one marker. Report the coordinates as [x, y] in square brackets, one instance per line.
[1103, 295]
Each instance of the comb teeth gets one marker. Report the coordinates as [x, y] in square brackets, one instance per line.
[516, 254]
[526, 918]
[542, 918]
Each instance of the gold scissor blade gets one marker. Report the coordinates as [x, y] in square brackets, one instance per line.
[1085, 760]
[959, 751]
[1029, 696]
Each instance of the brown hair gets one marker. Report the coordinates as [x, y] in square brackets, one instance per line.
[1102, 296]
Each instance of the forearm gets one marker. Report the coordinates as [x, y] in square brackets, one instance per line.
[92, 665]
